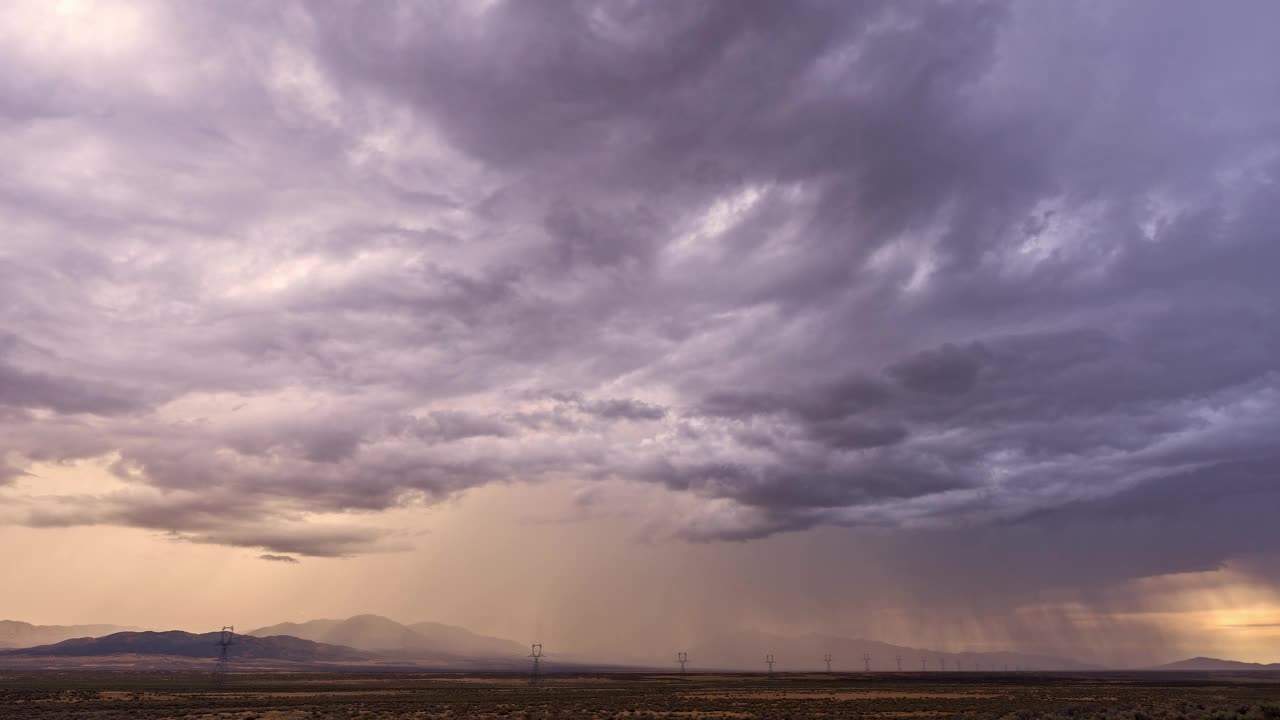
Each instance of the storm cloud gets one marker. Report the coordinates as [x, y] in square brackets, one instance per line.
[890, 266]
[287, 559]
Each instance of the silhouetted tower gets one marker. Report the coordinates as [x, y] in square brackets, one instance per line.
[536, 654]
[922, 665]
[827, 659]
[226, 638]
[768, 659]
[866, 658]
[899, 663]
[682, 658]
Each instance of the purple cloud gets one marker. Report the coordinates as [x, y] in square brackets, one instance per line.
[864, 264]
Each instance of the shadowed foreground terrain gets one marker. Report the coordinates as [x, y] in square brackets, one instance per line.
[100, 695]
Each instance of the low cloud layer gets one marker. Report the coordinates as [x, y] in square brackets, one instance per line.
[918, 267]
[287, 559]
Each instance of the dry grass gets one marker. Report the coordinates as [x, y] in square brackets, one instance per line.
[97, 695]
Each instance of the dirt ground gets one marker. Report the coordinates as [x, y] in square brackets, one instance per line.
[155, 695]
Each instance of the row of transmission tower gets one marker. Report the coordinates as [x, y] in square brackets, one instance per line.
[866, 660]
[226, 638]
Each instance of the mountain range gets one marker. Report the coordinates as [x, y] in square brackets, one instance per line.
[16, 634]
[424, 640]
[376, 640]
[746, 650]
[1207, 664]
[177, 643]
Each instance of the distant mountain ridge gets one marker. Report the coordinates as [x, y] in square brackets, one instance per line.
[746, 650]
[378, 634]
[18, 634]
[1208, 664]
[184, 644]
[363, 638]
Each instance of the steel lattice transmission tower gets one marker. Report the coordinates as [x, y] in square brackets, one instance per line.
[899, 663]
[768, 659]
[682, 658]
[922, 664]
[536, 653]
[866, 658]
[226, 638]
[827, 659]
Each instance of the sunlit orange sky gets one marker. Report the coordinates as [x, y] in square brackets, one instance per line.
[618, 325]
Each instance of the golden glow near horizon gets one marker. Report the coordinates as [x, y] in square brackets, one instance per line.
[494, 560]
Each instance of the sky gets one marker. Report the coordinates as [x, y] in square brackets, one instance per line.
[620, 324]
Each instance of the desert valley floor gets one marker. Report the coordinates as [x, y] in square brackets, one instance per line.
[289, 696]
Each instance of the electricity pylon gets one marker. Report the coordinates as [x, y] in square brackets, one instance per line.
[866, 658]
[682, 658]
[768, 659]
[536, 654]
[226, 638]
[827, 659]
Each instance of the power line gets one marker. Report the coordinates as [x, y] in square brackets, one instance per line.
[536, 654]
[226, 638]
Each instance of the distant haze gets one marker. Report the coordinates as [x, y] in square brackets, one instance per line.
[375, 641]
[626, 326]
[18, 634]
[371, 632]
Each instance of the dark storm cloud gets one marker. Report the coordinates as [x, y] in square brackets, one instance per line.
[287, 559]
[946, 371]
[610, 408]
[306, 541]
[827, 401]
[894, 266]
[21, 388]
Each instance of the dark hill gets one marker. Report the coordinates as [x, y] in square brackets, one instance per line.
[185, 644]
[1207, 664]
